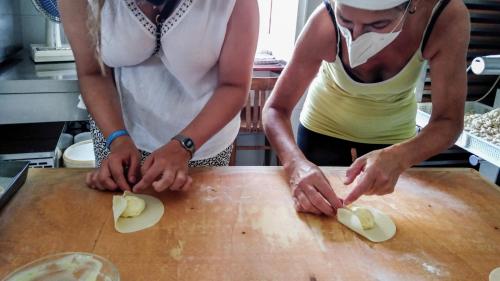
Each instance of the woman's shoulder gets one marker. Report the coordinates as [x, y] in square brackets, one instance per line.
[455, 12]
[453, 24]
[320, 34]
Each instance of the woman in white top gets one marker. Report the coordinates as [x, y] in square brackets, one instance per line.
[163, 81]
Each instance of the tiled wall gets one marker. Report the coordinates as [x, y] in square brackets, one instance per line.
[33, 23]
[21, 22]
[10, 26]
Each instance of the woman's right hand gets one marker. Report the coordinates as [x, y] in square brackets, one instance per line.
[311, 190]
[120, 169]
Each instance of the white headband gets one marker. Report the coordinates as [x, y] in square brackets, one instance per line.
[372, 5]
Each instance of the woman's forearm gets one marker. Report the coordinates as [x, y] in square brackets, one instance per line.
[98, 91]
[437, 136]
[223, 106]
[102, 102]
[278, 128]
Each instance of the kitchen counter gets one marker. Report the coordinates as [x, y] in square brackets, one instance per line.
[238, 223]
[22, 75]
[33, 93]
[46, 92]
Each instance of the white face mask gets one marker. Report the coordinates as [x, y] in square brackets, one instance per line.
[368, 44]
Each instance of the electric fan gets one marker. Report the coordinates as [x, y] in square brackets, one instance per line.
[53, 50]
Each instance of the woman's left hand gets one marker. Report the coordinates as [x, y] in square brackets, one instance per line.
[166, 168]
[376, 172]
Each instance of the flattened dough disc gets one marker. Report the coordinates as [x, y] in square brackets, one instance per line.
[495, 274]
[384, 228]
[149, 217]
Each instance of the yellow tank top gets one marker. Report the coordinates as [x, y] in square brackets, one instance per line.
[373, 113]
[377, 113]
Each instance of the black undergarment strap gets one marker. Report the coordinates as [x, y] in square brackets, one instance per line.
[160, 19]
[329, 8]
[442, 4]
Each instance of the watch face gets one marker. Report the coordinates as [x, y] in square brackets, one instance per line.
[189, 143]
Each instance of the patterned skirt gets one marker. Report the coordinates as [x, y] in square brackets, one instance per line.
[102, 152]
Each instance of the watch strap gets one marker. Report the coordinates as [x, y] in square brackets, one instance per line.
[187, 143]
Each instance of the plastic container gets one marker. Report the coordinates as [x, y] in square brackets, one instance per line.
[67, 267]
[472, 143]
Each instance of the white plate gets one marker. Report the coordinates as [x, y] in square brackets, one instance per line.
[80, 155]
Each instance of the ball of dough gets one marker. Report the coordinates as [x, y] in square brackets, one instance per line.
[135, 206]
[365, 216]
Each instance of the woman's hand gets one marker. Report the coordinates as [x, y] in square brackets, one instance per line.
[376, 173]
[119, 169]
[311, 190]
[166, 168]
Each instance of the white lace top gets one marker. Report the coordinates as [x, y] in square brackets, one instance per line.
[161, 94]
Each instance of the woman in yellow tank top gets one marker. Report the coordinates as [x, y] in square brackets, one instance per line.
[361, 60]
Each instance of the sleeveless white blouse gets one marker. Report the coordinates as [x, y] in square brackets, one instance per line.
[161, 94]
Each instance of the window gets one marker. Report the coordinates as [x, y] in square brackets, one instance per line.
[278, 21]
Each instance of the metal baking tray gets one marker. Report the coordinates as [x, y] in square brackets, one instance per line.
[472, 143]
[12, 176]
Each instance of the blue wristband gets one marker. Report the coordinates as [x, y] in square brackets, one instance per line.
[114, 136]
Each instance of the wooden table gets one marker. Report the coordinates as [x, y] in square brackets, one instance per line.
[238, 223]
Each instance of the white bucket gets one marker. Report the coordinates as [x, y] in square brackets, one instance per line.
[80, 155]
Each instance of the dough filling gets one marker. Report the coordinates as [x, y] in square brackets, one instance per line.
[365, 217]
[368, 222]
[134, 212]
[135, 206]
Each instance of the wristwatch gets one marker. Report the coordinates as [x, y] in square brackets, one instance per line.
[187, 143]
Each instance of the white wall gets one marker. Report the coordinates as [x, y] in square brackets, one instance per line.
[278, 34]
[306, 8]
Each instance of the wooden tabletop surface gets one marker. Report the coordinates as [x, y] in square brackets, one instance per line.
[238, 223]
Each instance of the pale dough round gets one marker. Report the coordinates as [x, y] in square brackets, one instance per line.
[383, 229]
[495, 274]
[135, 206]
[150, 216]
